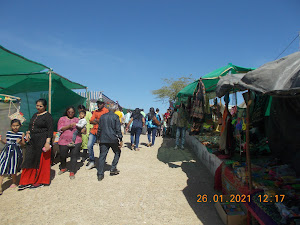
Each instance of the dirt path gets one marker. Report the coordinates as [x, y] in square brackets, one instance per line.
[157, 185]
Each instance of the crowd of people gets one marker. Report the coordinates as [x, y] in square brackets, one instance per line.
[105, 125]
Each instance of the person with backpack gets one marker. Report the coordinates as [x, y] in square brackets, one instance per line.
[152, 122]
[159, 128]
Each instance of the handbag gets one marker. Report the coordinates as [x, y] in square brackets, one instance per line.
[155, 121]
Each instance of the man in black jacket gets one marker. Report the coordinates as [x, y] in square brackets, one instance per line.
[110, 136]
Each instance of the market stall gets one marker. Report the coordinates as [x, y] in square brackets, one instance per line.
[205, 117]
[271, 177]
[29, 81]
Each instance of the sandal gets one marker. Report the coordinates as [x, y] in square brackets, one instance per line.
[72, 176]
[13, 186]
[62, 171]
[137, 149]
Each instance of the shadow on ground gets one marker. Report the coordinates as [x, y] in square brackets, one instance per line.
[8, 182]
[199, 180]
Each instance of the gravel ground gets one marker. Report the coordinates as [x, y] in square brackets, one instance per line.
[157, 185]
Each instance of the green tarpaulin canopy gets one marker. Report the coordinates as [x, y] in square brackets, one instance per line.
[11, 79]
[31, 89]
[14, 68]
[27, 79]
[187, 91]
[210, 80]
[12, 63]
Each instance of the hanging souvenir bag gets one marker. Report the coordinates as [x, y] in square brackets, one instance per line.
[17, 115]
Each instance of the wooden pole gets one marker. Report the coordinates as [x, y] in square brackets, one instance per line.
[11, 96]
[247, 143]
[49, 92]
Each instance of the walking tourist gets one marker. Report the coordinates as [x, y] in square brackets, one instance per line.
[182, 122]
[110, 136]
[119, 113]
[93, 133]
[11, 155]
[67, 126]
[152, 124]
[159, 128]
[138, 121]
[165, 127]
[173, 123]
[143, 113]
[167, 115]
[37, 162]
[127, 119]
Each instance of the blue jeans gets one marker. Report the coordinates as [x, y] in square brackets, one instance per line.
[135, 132]
[91, 142]
[76, 132]
[180, 132]
[164, 131]
[104, 148]
[153, 131]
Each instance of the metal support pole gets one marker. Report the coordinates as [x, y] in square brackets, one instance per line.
[49, 92]
[247, 143]
[299, 40]
[235, 99]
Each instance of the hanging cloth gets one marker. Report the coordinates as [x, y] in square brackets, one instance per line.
[198, 109]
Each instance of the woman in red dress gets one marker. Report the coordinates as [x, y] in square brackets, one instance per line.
[37, 161]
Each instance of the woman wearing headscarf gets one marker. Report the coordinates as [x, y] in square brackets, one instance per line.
[138, 121]
[152, 122]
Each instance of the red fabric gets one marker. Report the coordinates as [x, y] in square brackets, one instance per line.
[38, 176]
[230, 179]
[218, 178]
[223, 156]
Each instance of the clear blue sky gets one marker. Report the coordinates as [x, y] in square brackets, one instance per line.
[125, 47]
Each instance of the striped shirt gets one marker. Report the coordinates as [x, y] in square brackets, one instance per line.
[12, 137]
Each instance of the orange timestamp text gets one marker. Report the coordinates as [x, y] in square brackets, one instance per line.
[221, 198]
[271, 198]
[233, 198]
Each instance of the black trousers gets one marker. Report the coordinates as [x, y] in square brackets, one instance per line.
[64, 150]
[104, 148]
